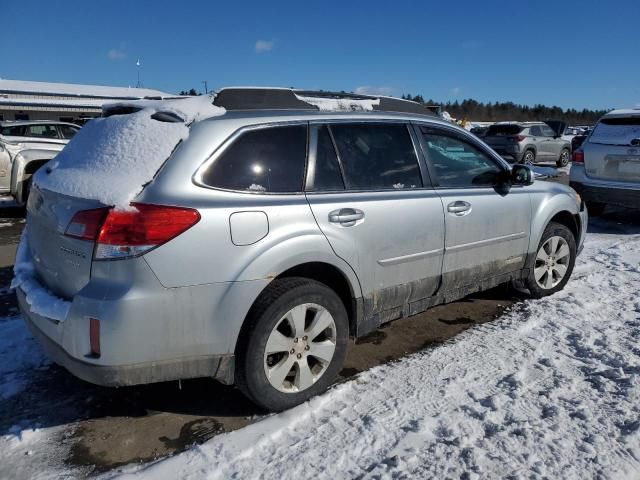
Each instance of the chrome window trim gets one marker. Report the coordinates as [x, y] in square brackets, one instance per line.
[381, 121]
[469, 138]
[199, 173]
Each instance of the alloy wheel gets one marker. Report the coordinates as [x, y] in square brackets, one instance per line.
[300, 348]
[552, 262]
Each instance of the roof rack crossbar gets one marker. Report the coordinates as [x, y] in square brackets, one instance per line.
[258, 98]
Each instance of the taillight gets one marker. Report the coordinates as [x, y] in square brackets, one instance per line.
[519, 138]
[577, 156]
[129, 233]
[86, 224]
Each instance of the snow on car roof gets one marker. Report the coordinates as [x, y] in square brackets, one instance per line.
[112, 158]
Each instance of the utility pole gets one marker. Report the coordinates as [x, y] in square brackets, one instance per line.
[138, 85]
[206, 91]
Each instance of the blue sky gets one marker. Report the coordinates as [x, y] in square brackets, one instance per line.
[568, 53]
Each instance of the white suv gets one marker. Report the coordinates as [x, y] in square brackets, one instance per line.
[24, 147]
[606, 168]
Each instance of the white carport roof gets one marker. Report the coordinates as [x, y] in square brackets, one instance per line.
[72, 89]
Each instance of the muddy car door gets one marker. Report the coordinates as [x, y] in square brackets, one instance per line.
[486, 227]
[368, 194]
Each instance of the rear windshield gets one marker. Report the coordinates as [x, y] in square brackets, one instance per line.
[503, 130]
[617, 131]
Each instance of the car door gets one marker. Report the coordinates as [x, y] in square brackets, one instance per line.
[536, 138]
[552, 144]
[373, 201]
[487, 227]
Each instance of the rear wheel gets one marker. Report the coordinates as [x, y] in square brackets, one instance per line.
[563, 160]
[529, 157]
[550, 269]
[596, 209]
[294, 344]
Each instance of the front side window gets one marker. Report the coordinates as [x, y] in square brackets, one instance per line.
[262, 160]
[377, 156]
[458, 163]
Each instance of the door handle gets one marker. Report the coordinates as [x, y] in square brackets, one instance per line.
[459, 208]
[347, 217]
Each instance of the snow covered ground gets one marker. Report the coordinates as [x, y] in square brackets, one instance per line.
[550, 390]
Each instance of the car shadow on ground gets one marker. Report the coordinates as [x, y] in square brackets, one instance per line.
[616, 220]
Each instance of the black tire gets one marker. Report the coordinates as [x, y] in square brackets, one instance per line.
[267, 312]
[26, 189]
[552, 230]
[529, 157]
[563, 160]
[595, 209]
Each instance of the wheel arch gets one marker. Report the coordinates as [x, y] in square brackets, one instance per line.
[322, 272]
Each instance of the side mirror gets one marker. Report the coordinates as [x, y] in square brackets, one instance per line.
[521, 175]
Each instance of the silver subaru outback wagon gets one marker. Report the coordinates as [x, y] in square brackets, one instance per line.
[279, 230]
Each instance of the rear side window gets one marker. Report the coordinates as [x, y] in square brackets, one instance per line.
[535, 131]
[503, 130]
[263, 160]
[617, 131]
[327, 175]
[68, 131]
[377, 156]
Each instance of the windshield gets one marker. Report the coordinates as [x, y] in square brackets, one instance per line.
[616, 131]
[503, 130]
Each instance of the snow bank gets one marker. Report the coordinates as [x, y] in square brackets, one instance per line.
[111, 159]
[340, 104]
[549, 391]
[41, 300]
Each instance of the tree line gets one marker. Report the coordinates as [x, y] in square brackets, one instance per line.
[499, 111]
[502, 111]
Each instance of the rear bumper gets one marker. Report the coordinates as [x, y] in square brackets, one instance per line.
[511, 153]
[220, 367]
[604, 191]
[607, 195]
[148, 333]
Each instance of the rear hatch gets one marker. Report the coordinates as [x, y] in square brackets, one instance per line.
[107, 164]
[502, 135]
[612, 151]
[62, 263]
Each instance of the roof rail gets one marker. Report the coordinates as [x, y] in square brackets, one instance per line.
[266, 98]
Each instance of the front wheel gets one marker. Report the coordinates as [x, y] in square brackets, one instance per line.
[529, 157]
[294, 344]
[550, 269]
[563, 160]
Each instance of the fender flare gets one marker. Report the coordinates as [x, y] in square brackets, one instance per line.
[20, 162]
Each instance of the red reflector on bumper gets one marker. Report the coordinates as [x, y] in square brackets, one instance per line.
[94, 336]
